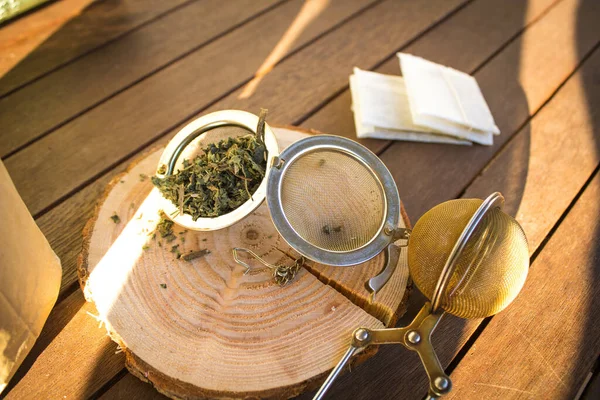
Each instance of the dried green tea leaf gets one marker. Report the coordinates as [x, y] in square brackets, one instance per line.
[219, 180]
[195, 254]
[115, 218]
[143, 177]
[165, 228]
[163, 285]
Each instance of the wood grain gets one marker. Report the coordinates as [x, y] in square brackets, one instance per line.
[76, 349]
[444, 45]
[554, 154]
[99, 75]
[544, 345]
[121, 126]
[450, 35]
[155, 305]
[101, 22]
[26, 33]
[376, 379]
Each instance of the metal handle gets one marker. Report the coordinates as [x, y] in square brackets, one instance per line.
[416, 337]
[392, 254]
[335, 372]
[375, 284]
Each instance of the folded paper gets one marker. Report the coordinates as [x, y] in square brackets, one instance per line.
[430, 103]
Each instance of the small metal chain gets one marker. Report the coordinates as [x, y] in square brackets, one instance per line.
[282, 274]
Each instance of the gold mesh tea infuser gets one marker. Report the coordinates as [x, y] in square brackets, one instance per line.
[471, 260]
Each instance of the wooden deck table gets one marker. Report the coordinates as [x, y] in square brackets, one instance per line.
[124, 75]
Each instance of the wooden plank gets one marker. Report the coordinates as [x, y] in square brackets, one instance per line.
[64, 224]
[60, 316]
[446, 337]
[544, 345]
[75, 351]
[416, 377]
[101, 22]
[34, 110]
[120, 126]
[448, 39]
[22, 36]
[67, 244]
[516, 83]
[570, 117]
[131, 388]
[444, 45]
[544, 166]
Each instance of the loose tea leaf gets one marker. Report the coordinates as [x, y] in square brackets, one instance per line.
[143, 177]
[115, 218]
[219, 180]
[163, 285]
[195, 254]
[327, 229]
[175, 250]
[165, 228]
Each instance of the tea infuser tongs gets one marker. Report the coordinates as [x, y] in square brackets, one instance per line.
[480, 257]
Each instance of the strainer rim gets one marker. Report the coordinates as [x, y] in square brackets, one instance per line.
[349, 147]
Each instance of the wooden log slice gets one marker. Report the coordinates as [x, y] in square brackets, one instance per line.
[203, 328]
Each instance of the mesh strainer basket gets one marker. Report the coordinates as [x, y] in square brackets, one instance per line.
[333, 200]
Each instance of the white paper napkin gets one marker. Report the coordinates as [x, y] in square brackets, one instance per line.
[381, 110]
[446, 100]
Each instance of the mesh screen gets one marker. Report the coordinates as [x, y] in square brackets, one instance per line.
[490, 271]
[332, 200]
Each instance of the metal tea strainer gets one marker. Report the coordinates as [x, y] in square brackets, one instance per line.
[336, 203]
[199, 133]
[471, 260]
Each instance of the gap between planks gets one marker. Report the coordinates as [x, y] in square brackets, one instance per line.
[155, 12]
